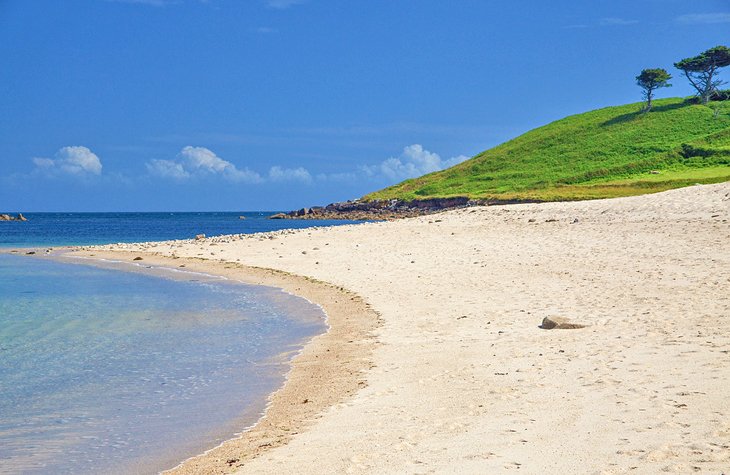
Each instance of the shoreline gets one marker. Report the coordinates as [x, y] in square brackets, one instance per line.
[325, 372]
[464, 375]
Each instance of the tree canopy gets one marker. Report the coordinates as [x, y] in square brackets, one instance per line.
[650, 80]
[701, 70]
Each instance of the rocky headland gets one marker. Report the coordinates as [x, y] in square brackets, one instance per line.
[386, 210]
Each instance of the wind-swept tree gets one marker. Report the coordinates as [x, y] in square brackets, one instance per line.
[650, 80]
[701, 70]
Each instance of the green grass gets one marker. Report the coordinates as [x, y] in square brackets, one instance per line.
[599, 154]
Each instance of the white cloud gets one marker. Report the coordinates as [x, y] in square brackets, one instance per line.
[75, 160]
[44, 163]
[283, 4]
[413, 162]
[301, 174]
[167, 169]
[704, 18]
[200, 161]
[455, 161]
[613, 21]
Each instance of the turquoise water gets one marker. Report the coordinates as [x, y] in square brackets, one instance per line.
[104, 371]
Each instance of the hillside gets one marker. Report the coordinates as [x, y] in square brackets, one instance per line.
[616, 151]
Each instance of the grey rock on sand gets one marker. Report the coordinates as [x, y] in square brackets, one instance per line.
[560, 323]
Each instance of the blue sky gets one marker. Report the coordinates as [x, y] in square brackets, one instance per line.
[275, 104]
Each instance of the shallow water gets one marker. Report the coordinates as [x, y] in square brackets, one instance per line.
[104, 371]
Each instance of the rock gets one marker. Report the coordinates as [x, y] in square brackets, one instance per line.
[560, 323]
[8, 217]
[137, 258]
[199, 237]
[278, 216]
[303, 212]
[241, 217]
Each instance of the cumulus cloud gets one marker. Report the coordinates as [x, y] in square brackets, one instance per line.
[704, 18]
[74, 160]
[200, 161]
[168, 169]
[300, 174]
[413, 162]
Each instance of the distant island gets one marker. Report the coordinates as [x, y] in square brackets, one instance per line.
[10, 217]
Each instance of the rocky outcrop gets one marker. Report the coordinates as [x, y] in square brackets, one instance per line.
[383, 210]
[10, 217]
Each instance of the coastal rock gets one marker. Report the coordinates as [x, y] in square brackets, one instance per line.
[9, 217]
[199, 237]
[384, 210]
[560, 323]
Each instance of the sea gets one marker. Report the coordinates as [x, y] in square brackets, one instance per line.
[105, 370]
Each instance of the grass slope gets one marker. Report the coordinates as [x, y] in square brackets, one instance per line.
[616, 151]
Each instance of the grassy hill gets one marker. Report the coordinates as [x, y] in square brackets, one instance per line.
[616, 151]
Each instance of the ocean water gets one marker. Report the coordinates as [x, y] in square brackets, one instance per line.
[59, 229]
[107, 371]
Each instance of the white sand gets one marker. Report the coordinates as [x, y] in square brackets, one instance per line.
[464, 380]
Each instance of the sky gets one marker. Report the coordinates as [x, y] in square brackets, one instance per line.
[193, 105]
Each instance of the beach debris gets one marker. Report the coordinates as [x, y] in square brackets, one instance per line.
[230, 462]
[560, 323]
[137, 258]
[199, 237]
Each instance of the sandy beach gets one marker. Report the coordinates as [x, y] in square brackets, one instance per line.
[436, 363]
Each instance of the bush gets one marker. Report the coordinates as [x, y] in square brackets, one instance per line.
[721, 95]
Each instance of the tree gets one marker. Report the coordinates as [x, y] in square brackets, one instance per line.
[701, 70]
[650, 80]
